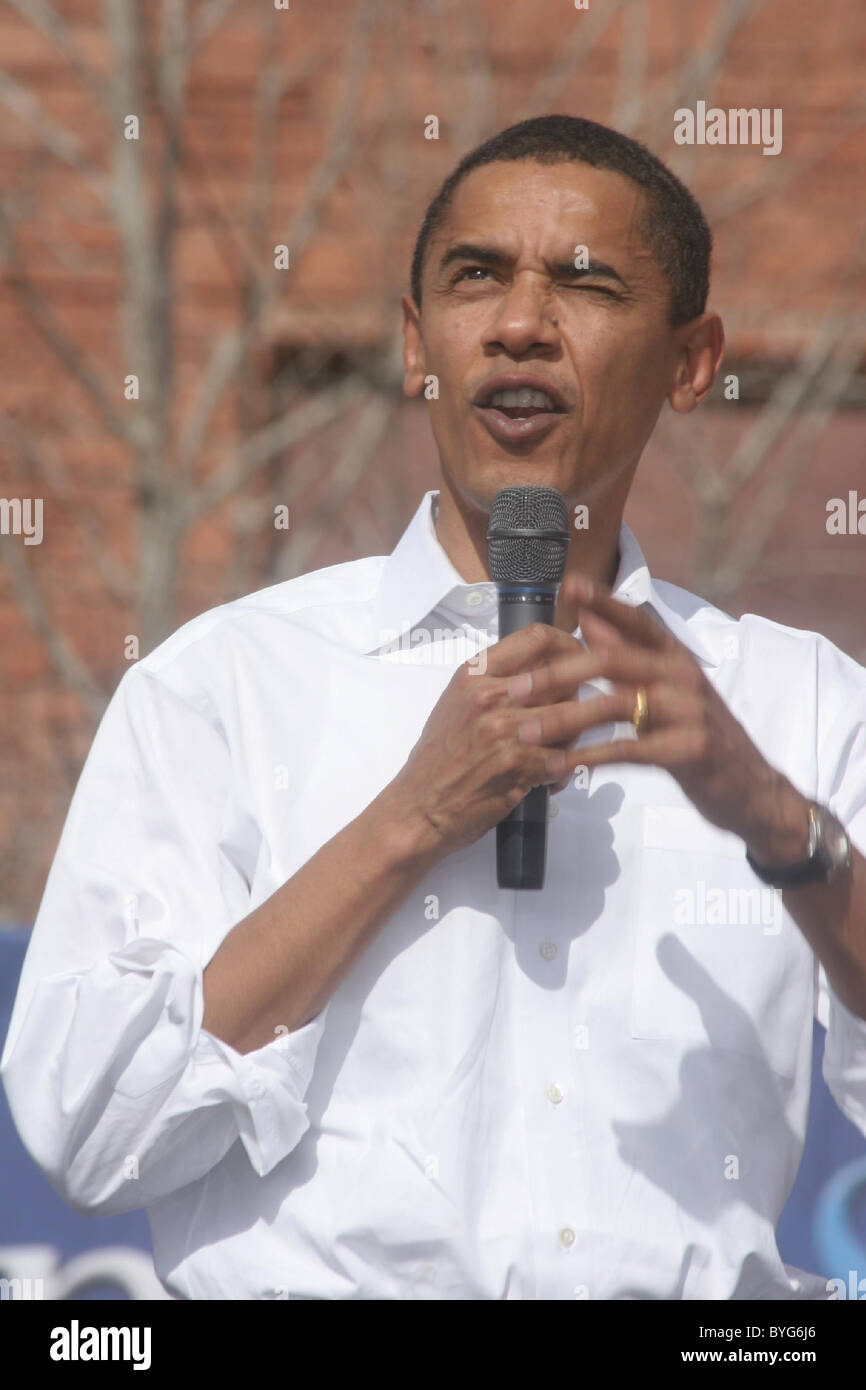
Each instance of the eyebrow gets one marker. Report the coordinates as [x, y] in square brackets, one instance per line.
[494, 259]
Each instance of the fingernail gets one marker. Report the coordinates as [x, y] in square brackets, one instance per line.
[520, 685]
[583, 587]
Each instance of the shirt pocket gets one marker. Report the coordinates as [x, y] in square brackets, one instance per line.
[709, 936]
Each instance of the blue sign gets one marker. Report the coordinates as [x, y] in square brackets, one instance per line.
[47, 1250]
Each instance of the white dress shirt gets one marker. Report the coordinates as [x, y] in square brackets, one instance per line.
[599, 1090]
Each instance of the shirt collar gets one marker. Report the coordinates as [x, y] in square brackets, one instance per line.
[418, 577]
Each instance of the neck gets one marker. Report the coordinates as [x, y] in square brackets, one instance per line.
[462, 533]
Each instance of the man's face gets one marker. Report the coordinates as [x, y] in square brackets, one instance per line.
[610, 357]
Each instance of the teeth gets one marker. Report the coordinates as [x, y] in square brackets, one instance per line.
[524, 396]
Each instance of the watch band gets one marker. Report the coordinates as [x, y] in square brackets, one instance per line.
[821, 862]
[809, 871]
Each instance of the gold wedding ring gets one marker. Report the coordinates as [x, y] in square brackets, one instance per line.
[640, 714]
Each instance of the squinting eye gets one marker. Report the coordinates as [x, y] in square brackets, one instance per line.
[468, 268]
[597, 289]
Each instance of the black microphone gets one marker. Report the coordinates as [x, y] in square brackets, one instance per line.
[527, 548]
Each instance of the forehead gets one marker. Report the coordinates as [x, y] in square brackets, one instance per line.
[521, 205]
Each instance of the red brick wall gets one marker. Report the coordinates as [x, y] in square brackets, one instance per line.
[788, 251]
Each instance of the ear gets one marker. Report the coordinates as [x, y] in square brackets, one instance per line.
[700, 354]
[413, 348]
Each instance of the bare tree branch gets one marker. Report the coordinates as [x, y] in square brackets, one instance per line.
[55, 335]
[171, 82]
[135, 224]
[207, 19]
[54, 138]
[477, 110]
[42, 462]
[229, 351]
[146, 315]
[587, 29]
[628, 104]
[715, 491]
[70, 669]
[205, 194]
[826, 364]
[729, 202]
[280, 434]
[766, 510]
[45, 18]
[240, 256]
[261, 180]
[789, 393]
[359, 446]
[684, 85]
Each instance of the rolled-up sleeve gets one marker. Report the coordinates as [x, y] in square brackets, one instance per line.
[842, 785]
[117, 1091]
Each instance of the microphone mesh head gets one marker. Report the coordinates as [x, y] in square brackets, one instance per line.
[528, 559]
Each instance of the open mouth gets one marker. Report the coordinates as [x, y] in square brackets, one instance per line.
[518, 414]
[522, 404]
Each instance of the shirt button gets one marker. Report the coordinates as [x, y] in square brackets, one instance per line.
[566, 1236]
[548, 949]
[474, 597]
[257, 1089]
[554, 1093]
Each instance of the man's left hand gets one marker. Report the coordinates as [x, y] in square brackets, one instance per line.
[689, 731]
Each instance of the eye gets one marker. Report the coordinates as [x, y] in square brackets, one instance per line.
[467, 269]
[596, 289]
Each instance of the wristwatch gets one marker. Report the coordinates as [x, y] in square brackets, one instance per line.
[829, 852]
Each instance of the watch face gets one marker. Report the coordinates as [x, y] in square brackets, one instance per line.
[837, 843]
[835, 848]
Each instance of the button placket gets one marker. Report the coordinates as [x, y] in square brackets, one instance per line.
[552, 1105]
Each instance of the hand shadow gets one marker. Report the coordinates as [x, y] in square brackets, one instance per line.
[691, 1152]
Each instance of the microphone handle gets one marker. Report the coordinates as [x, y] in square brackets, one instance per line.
[521, 838]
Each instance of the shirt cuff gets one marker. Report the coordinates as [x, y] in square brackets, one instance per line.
[272, 1116]
[266, 1088]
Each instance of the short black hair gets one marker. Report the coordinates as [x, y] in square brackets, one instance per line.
[673, 226]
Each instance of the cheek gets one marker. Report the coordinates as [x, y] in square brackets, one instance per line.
[444, 375]
[445, 421]
[444, 410]
[450, 407]
[625, 385]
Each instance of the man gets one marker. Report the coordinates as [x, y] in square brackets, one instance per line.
[274, 993]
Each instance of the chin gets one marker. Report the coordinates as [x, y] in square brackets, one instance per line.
[489, 476]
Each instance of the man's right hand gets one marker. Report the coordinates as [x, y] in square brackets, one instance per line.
[278, 967]
[486, 744]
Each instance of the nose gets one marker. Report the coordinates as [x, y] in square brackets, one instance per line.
[524, 321]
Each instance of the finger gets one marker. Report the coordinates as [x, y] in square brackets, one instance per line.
[669, 709]
[550, 765]
[521, 650]
[561, 723]
[596, 598]
[558, 678]
[597, 633]
[666, 748]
